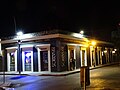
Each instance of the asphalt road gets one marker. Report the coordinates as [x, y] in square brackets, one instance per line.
[105, 78]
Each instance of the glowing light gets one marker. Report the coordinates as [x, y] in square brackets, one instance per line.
[87, 45]
[86, 39]
[20, 33]
[77, 35]
[82, 32]
[102, 53]
[105, 51]
[113, 51]
[24, 36]
[93, 43]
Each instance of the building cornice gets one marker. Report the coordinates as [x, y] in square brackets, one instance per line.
[40, 38]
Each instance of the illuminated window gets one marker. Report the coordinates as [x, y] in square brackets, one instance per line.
[27, 60]
[12, 61]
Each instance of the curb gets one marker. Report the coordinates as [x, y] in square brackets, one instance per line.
[60, 74]
[65, 74]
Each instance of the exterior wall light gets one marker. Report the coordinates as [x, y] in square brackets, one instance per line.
[113, 51]
[93, 43]
[105, 51]
[20, 33]
[81, 32]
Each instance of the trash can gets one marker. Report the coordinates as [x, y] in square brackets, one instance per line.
[84, 76]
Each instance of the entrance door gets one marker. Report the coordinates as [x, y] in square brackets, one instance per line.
[44, 60]
[72, 60]
[83, 57]
[12, 61]
[27, 60]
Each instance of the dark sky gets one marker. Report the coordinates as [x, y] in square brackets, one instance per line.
[96, 17]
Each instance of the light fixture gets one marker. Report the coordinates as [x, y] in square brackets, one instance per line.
[81, 32]
[20, 33]
[93, 43]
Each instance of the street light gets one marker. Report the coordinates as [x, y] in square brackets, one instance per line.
[82, 32]
[19, 34]
[93, 43]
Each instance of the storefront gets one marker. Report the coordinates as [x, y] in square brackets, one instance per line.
[53, 52]
[71, 57]
[43, 57]
[28, 58]
[12, 59]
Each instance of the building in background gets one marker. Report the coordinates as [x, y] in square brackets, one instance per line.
[54, 51]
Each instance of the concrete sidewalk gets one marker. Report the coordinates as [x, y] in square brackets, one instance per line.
[45, 73]
[9, 85]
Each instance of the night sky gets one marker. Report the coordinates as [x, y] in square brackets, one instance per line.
[95, 17]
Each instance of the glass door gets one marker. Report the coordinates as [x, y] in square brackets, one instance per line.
[72, 60]
[27, 60]
[83, 57]
[44, 60]
[12, 61]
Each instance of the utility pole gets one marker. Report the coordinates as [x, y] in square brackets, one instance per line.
[14, 24]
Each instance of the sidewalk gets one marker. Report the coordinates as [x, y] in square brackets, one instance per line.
[9, 85]
[45, 73]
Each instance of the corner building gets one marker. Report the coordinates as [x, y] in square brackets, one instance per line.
[54, 51]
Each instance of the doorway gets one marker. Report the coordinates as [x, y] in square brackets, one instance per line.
[83, 57]
[12, 61]
[44, 60]
[27, 60]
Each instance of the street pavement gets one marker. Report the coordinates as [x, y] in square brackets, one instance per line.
[104, 77]
[107, 78]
